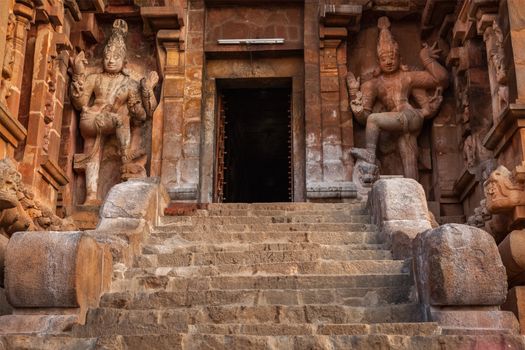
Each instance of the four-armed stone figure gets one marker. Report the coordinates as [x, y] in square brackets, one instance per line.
[394, 85]
[120, 106]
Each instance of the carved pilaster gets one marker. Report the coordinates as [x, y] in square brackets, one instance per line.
[167, 121]
[23, 11]
[335, 123]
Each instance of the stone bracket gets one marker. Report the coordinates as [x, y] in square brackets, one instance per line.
[346, 16]
[53, 173]
[164, 17]
[512, 119]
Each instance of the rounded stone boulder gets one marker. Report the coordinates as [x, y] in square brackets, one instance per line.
[53, 270]
[459, 265]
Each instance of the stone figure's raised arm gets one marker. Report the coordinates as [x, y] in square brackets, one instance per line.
[362, 97]
[135, 107]
[148, 97]
[434, 74]
[81, 86]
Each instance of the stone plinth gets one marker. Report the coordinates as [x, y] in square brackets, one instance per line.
[55, 270]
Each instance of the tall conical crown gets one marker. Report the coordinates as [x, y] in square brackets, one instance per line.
[386, 42]
[117, 40]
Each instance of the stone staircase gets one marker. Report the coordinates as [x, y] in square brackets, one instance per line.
[266, 276]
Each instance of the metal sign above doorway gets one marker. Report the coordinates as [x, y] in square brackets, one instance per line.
[267, 41]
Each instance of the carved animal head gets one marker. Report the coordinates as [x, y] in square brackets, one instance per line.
[502, 192]
[9, 184]
[367, 173]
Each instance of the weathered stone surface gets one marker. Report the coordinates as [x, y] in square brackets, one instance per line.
[461, 321]
[134, 199]
[459, 265]
[36, 324]
[516, 304]
[399, 207]
[54, 270]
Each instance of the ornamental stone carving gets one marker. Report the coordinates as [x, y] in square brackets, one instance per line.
[111, 103]
[19, 211]
[394, 85]
[502, 191]
[9, 58]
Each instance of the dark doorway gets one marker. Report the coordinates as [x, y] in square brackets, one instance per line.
[256, 137]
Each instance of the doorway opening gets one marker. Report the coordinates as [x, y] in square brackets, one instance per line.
[254, 144]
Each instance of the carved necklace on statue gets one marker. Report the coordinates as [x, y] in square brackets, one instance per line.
[112, 83]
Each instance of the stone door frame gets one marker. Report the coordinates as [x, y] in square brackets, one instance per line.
[245, 70]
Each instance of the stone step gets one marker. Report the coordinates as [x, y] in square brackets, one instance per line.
[177, 247]
[225, 212]
[200, 341]
[358, 342]
[283, 329]
[252, 297]
[266, 220]
[112, 321]
[275, 227]
[185, 257]
[46, 342]
[322, 267]
[350, 237]
[288, 206]
[149, 282]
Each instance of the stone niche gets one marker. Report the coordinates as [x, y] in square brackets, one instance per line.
[362, 61]
[141, 59]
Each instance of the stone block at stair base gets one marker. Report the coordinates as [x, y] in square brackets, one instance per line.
[489, 320]
[459, 265]
[516, 304]
[37, 324]
[55, 270]
[399, 207]
[45, 342]
[512, 251]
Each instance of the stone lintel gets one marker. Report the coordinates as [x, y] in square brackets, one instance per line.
[10, 129]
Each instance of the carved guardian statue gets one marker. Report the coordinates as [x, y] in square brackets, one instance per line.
[394, 85]
[119, 105]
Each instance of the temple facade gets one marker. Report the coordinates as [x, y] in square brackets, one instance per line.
[216, 102]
